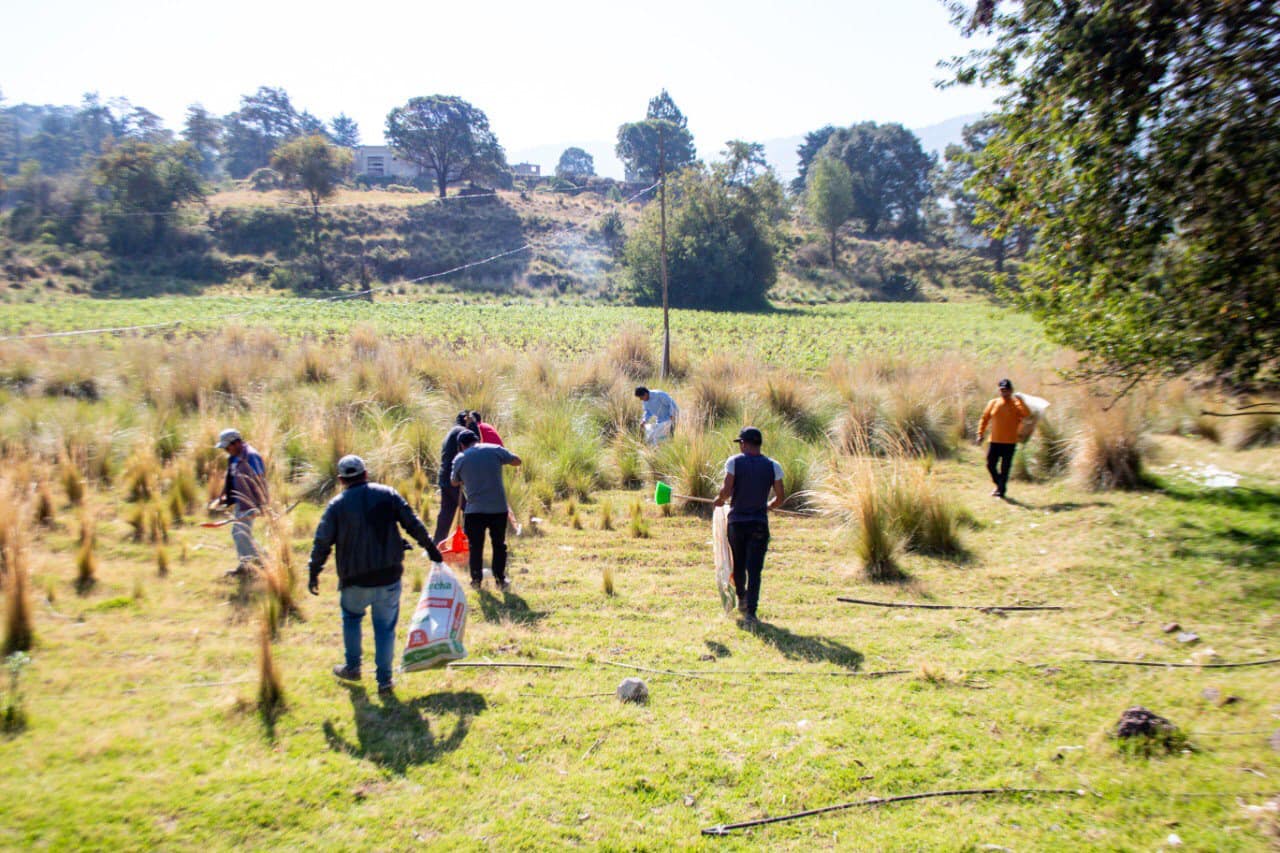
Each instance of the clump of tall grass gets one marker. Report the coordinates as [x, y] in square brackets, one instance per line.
[606, 515]
[690, 463]
[1110, 448]
[616, 411]
[365, 342]
[13, 718]
[44, 508]
[606, 578]
[72, 482]
[638, 525]
[150, 522]
[86, 554]
[270, 685]
[712, 399]
[567, 449]
[628, 462]
[141, 478]
[631, 352]
[858, 497]
[858, 427]
[913, 417]
[798, 403]
[1254, 430]
[478, 388]
[279, 569]
[312, 365]
[184, 493]
[1046, 454]
[19, 634]
[162, 561]
[927, 518]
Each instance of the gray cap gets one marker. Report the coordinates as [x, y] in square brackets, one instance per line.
[350, 466]
[228, 437]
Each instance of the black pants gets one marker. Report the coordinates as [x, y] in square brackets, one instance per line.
[999, 461]
[475, 524]
[450, 500]
[748, 540]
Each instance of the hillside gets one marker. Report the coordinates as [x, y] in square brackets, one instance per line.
[517, 244]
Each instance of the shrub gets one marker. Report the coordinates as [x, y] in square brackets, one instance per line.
[798, 403]
[86, 558]
[859, 499]
[712, 399]
[19, 634]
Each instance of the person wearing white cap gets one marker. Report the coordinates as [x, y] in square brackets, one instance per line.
[245, 491]
[364, 522]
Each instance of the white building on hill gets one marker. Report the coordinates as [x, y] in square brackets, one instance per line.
[377, 161]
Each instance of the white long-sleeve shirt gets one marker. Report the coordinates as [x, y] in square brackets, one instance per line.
[660, 407]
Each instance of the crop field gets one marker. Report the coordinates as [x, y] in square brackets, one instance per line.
[140, 719]
[806, 338]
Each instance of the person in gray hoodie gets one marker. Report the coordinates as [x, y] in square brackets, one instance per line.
[364, 523]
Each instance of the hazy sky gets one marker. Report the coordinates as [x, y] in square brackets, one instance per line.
[559, 71]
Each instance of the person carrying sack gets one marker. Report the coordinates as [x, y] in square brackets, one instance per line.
[752, 487]
[364, 522]
[1004, 414]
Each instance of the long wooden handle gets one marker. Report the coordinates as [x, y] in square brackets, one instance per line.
[711, 501]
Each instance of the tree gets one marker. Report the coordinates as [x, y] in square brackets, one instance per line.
[1140, 141]
[144, 183]
[314, 165]
[723, 244]
[446, 137]
[813, 142]
[662, 135]
[265, 120]
[890, 174]
[575, 163]
[829, 197]
[344, 131]
[204, 131]
[970, 220]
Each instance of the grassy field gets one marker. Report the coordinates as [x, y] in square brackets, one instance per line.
[142, 720]
[798, 337]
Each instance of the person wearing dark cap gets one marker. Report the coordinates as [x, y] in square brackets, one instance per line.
[364, 522]
[1004, 415]
[245, 491]
[477, 469]
[450, 496]
[752, 487]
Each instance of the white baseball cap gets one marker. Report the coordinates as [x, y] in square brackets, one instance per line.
[228, 437]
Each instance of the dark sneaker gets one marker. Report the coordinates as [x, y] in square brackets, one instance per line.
[750, 621]
[237, 572]
[477, 585]
[742, 605]
[504, 585]
[995, 493]
[346, 674]
[387, 689]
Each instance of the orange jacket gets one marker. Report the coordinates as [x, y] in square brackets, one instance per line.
[1004, 416]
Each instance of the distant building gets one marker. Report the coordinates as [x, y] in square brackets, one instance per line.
[526, 170]
[377, 161]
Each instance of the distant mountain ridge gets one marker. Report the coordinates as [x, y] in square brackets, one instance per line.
[780, 152]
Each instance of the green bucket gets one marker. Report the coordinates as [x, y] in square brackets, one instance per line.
[662, 494]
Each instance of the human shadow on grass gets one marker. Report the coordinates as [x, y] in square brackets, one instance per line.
[509, 607]
[397, 735]
[798, 647]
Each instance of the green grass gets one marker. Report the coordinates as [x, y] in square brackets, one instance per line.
[140, 705]
[121, 750]
[798, 337]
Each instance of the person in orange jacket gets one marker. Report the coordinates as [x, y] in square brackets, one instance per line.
[1004, 415]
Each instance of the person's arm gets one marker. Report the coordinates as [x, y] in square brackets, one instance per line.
[778, 495]
[414, 527]
[457, 467]
[982, 425]
[320, 549]
[725, 491]
[1021, 406]
[509, 458]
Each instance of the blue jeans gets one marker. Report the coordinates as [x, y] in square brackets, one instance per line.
[383, 603]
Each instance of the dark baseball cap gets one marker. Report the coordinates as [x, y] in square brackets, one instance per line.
[1005, 383]
[750, 435]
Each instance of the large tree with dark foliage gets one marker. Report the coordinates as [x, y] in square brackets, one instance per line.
[1141, 141]
[446, 137]
[722, 235]
[265, 120]
[575, 163]
[662, 142]
[144, 184]
[813, 142]
[890, 172]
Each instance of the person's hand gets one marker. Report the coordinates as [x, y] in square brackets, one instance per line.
[719, 501]
[313, 586]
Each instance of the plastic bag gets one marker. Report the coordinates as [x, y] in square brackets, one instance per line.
[1037, 406]
[657, 431]
[435, 633]
[723, 558]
